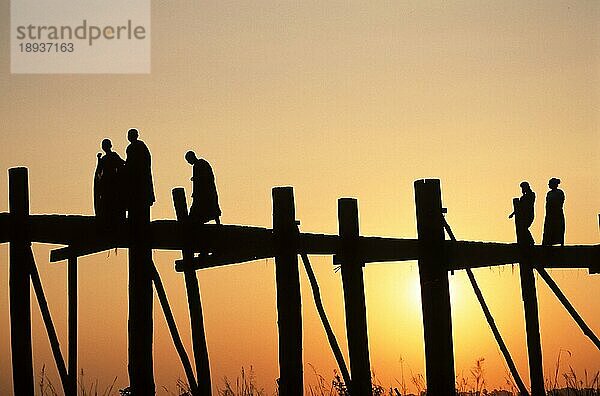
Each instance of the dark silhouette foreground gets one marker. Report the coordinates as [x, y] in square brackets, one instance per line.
[283, 242]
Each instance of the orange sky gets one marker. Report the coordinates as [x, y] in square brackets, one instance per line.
[336, 99]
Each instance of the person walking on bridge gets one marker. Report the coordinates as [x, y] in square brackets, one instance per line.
[205, 199]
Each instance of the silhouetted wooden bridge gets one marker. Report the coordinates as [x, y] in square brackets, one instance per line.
[228, 244]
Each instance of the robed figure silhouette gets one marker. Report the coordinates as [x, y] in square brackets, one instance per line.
[554, 223]
[526, 214]
[108, 185]
[205, 199]
[138, 168]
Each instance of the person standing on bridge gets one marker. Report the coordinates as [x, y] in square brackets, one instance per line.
[554, 223]
[108, 185]
[138, 169]
[140, 195]
[205, 199]
[526, 209]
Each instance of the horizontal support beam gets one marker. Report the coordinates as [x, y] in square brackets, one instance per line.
[370, 249]
[68, 252]
[85, 235]
[581, 256]
[379, 250]
[465, 254]
[216, 260]
[164, 234]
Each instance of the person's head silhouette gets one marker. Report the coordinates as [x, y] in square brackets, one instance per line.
[106, 145]
[132, 135]
[525, 187]
[190, 157]
[553, 183]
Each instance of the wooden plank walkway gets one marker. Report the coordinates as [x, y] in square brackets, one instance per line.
[83, 236]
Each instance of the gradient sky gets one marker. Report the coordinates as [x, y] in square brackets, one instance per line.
[336, 99]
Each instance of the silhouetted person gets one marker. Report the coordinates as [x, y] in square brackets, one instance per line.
[526, 209]
[108, 185]
[205, 200]
[554, 223]
[138, 168]
[140, 194]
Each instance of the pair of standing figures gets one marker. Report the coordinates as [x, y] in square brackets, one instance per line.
[126, 185]
[554, 222]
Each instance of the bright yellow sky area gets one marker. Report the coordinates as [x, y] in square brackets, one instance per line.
[336, 99]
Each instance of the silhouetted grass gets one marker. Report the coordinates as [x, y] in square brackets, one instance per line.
[47, 388]
[245, 385]
[473, 384]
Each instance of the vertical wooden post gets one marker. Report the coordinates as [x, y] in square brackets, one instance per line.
[140, 323]
[289, 310]
[194, 301]
[532, 323]
[19, 284]
[354, 299]
[435, 292]
[72, 303]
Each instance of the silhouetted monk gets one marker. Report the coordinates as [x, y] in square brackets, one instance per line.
[108, 184]
[205, 203]
[526, 208]
[138, 167]
[554, 223]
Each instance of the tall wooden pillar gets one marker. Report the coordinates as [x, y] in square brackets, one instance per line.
[194, 301]
[140, 323]
[435, 292]
[354, 299]
[19, 284]
[289, 310]
[532, 322]
[72, 319]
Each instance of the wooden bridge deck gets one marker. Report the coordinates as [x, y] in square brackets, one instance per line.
[230, 244]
